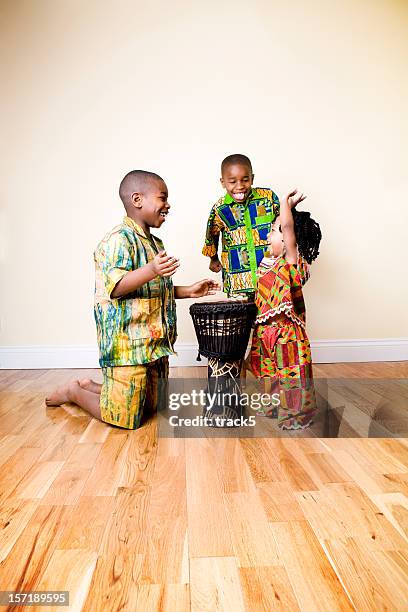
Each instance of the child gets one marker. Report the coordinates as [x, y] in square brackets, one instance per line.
[243, 217]
[280, 347]
[134, 309]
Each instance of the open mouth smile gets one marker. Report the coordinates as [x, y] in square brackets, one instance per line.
[240, 196]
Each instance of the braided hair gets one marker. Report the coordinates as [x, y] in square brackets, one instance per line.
[308, 235]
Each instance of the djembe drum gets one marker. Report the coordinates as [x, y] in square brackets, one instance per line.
[223, 330]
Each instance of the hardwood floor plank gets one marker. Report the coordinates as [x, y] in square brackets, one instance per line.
[14, 517]
[140, 456]
[170, 447]
[22, 418]
[291, 466]
[9, 444]
[396, 483]
[29, 557]
[279, 502]
[42, 428]
[267, 588]
[205, 502]
[395, 450]
[96, 432]
[366, 479]
[235, 475]
[67, 487]
[311, 575]
[372, 579]
[61, 448]
[106, 476]
[165, 551]
[69, 570]
[377, 456]
[343, 510]
[395, 509]
[251, 535]
[15, 469]
[124, 542]
[326, 468]
[38, 480]
[91, 517]
[215, 585]
[166, 598]
[263, 464]
[83, 456]
[115, 589]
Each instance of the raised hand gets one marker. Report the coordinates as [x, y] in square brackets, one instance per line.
[293, 200]
[165, 265]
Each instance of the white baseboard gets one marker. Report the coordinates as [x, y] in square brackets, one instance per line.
[86, 356]
[75, 356]
[377, 349]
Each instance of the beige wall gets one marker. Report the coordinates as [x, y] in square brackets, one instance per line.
[315, 92]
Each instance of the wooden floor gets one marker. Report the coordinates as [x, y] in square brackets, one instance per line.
[126, 521]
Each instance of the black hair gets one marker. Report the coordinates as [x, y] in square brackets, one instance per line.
[135, 180]
[236, 158]
[308, 235]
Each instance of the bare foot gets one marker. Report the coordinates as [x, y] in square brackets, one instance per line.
[90, 385]
[61, 395]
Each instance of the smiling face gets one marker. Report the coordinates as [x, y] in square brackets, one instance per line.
[237, 179]
[151, 206]
[155, 205]
[275, 239]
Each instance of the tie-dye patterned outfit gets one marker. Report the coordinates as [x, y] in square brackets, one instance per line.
[280, 346]
[136, 333]
[244, 229]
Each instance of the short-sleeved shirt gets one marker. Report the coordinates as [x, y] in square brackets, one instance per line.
[141, 326]
[244, 228]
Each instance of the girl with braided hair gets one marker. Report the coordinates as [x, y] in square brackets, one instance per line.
[280, 348]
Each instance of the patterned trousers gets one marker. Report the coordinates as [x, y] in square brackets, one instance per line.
[131, 394]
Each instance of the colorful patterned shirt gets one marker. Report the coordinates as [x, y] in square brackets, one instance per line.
[141, 326]
[244, 229]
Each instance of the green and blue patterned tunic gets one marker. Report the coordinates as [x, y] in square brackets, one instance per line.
[244, 229]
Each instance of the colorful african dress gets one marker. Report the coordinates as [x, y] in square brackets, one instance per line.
[280, 347]
[244, 228]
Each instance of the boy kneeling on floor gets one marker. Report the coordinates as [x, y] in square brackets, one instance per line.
[135, 310]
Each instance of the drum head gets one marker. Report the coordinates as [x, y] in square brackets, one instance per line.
[223, 328]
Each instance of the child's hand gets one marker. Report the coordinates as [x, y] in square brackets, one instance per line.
[293, 201]
[204, 287]
[164, 265]
[215, 264]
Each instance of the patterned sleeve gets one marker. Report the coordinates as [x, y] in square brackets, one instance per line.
[303, 269]
[298, 276]
[214, 227]
[275, 203]
[117, 260]
[280, 291]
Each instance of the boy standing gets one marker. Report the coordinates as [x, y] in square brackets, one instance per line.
[243, 217]
[134, 309]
